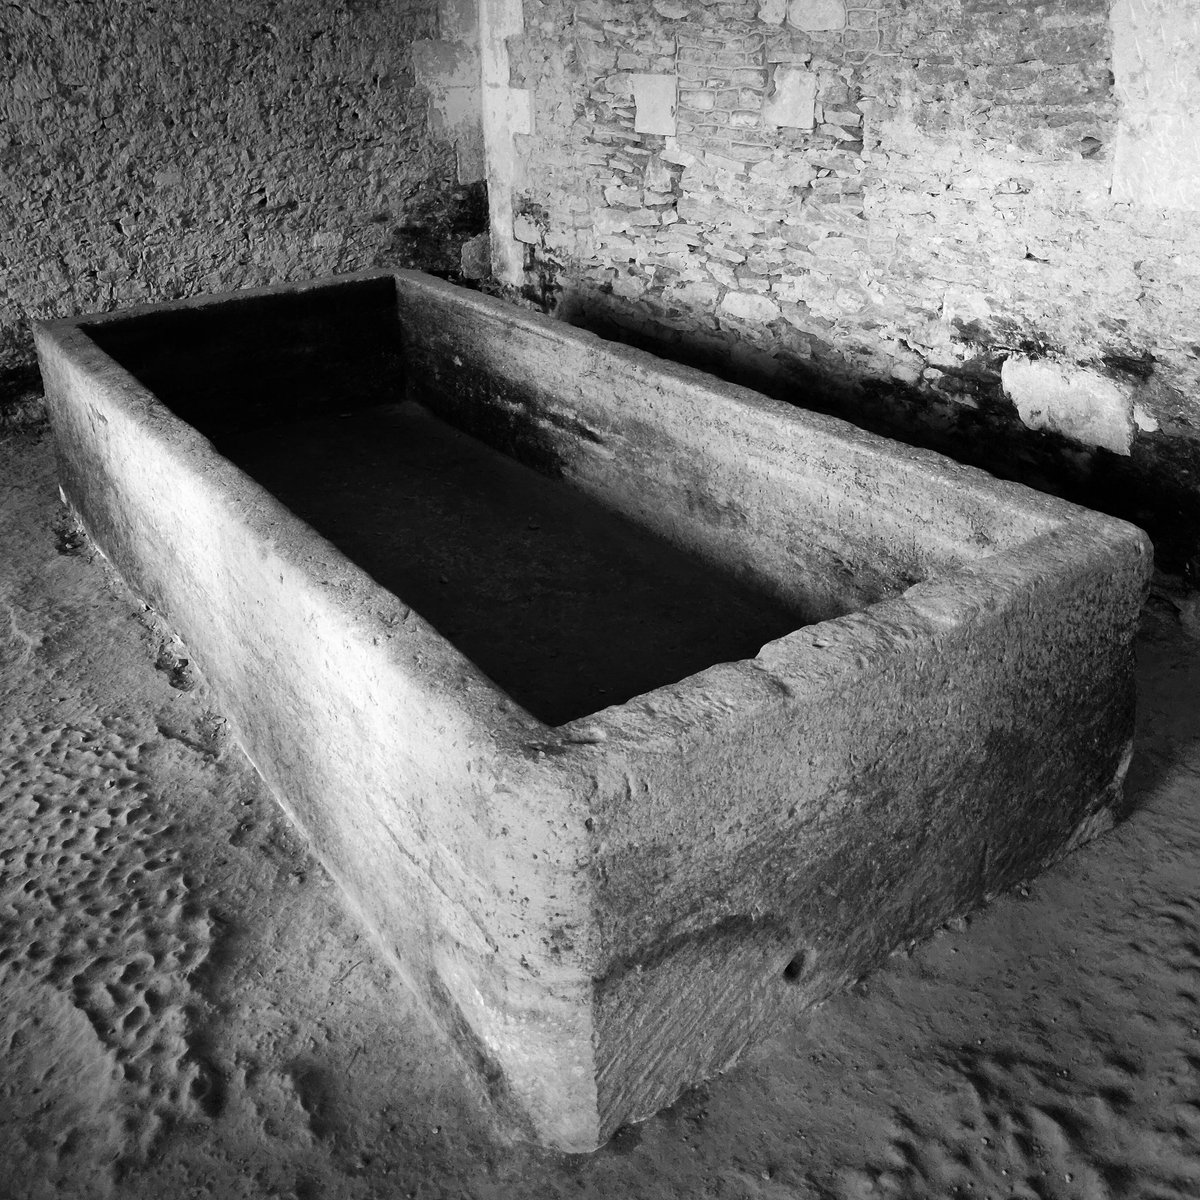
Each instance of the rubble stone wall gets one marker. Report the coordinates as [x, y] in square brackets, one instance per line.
[878, 206]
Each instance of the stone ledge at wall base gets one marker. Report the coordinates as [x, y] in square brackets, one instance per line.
[605, 911]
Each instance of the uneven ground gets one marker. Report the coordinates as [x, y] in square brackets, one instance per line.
[185, 1012]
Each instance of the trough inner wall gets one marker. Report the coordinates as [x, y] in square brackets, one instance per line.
[808, 509]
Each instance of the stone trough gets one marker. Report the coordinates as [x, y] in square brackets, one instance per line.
[618, 700]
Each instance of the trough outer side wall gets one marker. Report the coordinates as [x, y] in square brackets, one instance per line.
[802, 504]
[856, 786]
[399, 762]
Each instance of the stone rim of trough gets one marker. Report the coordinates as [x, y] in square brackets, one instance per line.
[802, 665]
[930, 607]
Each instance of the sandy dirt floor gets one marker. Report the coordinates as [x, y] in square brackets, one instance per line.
[185, 1011]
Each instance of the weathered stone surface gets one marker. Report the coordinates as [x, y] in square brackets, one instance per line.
[1078, 403]
[605, 911]
[616, 220]
[654, 96]
[477, 257]
[658, 175]
[747, 306]
[440, 64]
[937, 129]
[793, 101]
[772, 11]
[469, 154]
[154, 152]
[507, 114]
[449, 68]
[458, 21]
[524, 230]
[816, 16]
[1157, 159]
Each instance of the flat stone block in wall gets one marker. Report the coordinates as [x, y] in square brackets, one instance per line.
[470, 161]
[749, 306]
[439, 65]
[792, 102]
[617, 220]
[518, 108]
[455, 110]
[450, 71]
[817, 16]
[658, 175]
[1074, 401]
[524, 230]
[700, 100]
[931, 697]
[458, 21]
[654, 98]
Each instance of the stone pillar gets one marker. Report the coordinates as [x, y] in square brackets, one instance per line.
[506, 111]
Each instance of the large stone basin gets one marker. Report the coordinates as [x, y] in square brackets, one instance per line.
[617, 699]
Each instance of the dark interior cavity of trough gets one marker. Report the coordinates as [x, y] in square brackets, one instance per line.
[565, 605]
[561, 601]
[252, 363]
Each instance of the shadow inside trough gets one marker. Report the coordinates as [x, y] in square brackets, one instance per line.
[565, 605]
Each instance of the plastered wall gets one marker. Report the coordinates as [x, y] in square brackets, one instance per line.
[155, 151]
[972, 223]
[933, 216]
